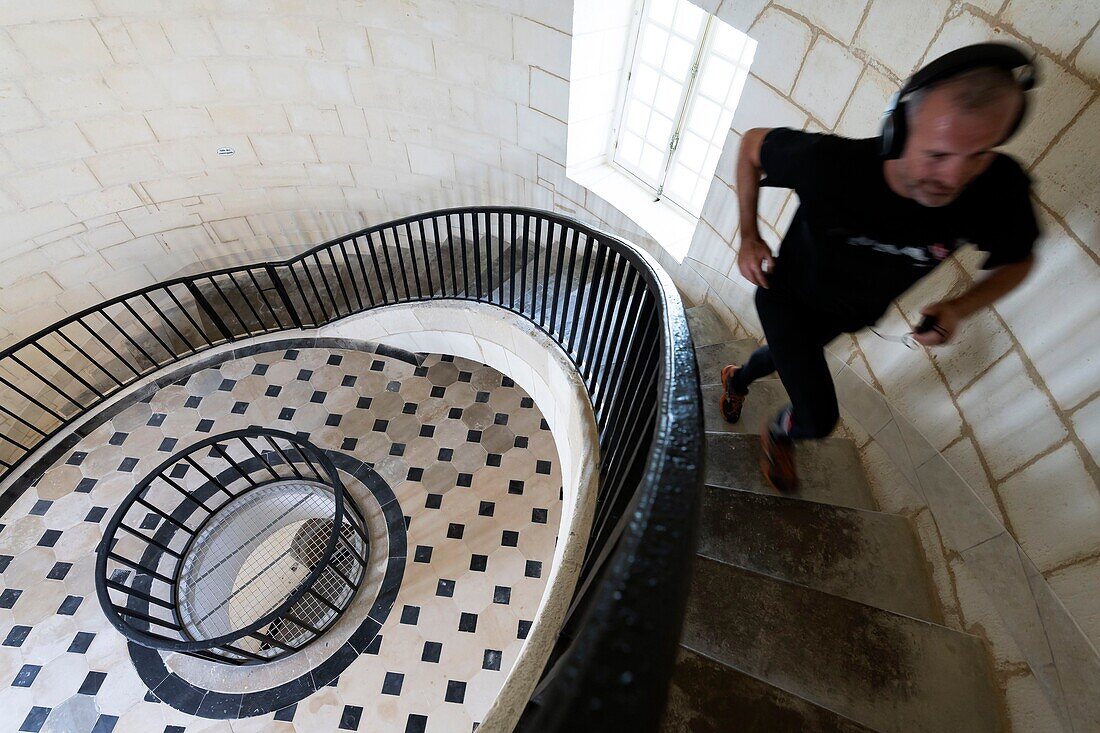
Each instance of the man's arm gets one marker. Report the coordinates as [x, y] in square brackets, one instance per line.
[753, 252]
[950, 313]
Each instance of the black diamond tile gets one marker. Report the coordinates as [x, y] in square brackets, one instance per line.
[25, 676]
[493, 459]
[465, 480]
[150, 522]
[96, 514]
[433, 501]
[318, 397]
[150, 697]
[49, 538]
[157, 419]
[397, 449]
[180, 470]
[455, 413]
[349, 444]
[40, 507]
[432, 650]
[482, 397]
[380, 426]
[391, 685]
[167, 445]
[128, 465]
[478, 563]
[409, 408]
[423, 554]
[227, 385]
[486, 508]
[456, 691]
[291, 355]
[533, 569]
[467, 622]
[410, 615]
[491, 660]
[59, 570]
[287, 413]
[473, 436]
[118, 438]
[538, 515]
[86, 485]
[427, 431]
[526, 403]
[438, 391]
[272, 390]
[348, 380]
[18, 635]
[454, 530]
[500, 418]
[69, 605]
[363, 403]
[81, 642]
[502, 594]
[416, 723]
[193, 401]
[465, 376]
[444, 589]
[104, 723]
[76, 458]
[523, 630]
[349, 719]
[35, 719]
[286, 714]
[445, 455]
[377, 365]
[260, 369]
[239, 408]
[543, 425]
[92, 683]
[375, 645]
[515, 486]
[506, 381]
[509, 538]
[304, 375]
[393, 386]
[415, 474]
[5, 560]
[205, 425]
[542, 467]
[333, 420]
[335, 359]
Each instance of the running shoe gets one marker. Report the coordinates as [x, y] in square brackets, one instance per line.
[777, 459]
[732, 401]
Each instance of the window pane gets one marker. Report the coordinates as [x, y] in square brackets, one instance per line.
[715, 78]
[692, 150]
[653, 45]
[653, 161]
[668, 95]
[630, 149]
[662, 11]
[645, 84]
[704, 117]
[660, 130]
[681, 183]
[689, 19]
[729, 42]
[637, 117]
[679, 57]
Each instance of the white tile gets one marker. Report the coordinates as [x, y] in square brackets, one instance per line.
[1059, 27]
[897, 34]
[826, 81]
[782, 43]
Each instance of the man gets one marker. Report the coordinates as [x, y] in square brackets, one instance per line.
[867, 228]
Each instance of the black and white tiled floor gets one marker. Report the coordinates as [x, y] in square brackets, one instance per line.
[465, 451]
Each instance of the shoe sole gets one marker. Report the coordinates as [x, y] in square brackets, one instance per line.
[724, 376]
[766, 465]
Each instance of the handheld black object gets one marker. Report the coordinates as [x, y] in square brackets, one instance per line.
[926, 324]
[1001, 55]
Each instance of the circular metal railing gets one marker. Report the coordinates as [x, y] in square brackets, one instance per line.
[241, 549]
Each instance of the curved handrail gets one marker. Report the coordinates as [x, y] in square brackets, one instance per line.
[608, 305]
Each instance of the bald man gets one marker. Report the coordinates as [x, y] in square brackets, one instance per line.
[866, 230]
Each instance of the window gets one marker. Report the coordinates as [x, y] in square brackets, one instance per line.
[686, 75]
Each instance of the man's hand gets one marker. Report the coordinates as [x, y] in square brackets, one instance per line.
[947, 318]
[751, 259]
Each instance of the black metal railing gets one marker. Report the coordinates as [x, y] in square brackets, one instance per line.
[605, 302]
[243, 548]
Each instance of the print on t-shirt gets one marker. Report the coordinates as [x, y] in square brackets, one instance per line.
[928, 256]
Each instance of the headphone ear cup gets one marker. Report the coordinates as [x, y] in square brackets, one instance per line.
[893, 131]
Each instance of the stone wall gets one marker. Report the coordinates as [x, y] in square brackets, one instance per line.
[343, 114]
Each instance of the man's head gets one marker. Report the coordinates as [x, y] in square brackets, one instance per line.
[952, 128]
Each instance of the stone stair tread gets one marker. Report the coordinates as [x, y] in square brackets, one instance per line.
[708, 696]
[706, 327]
[830, 470]
[862, 555]
[766, 398]
[712, 358]
[889, 672]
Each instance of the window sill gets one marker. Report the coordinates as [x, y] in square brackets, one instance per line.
[672, 228]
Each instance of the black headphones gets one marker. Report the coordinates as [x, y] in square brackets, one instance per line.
[998, 55]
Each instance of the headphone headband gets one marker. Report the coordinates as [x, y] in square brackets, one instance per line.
[979, 55]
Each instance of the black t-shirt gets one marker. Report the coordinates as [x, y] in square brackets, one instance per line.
[854, 245]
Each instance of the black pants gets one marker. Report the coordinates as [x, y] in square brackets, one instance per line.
[796, 333]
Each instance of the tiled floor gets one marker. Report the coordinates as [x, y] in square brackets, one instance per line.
[473, 467]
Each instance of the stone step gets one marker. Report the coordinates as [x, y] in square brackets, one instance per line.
[865, 556]
[829, 470]
[886, 671]
[712, 358]
[706, 696]
[706, 327]
[765, 399]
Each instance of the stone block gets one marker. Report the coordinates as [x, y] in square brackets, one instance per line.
[542, 134]
[400, 51]
[117, 131]
[16, 111]
[429, 161]
[104, 201]
[58, 46]
[149, 41]
[826, 81]
[1067, 182]
[1028, 705]
[1051, 106]
[1054, 508]
[249, 119]
[1058, 26]
[283, 148]
[1086, 423]
[1012, 419]
[549, 94]
[328, 84]
[308, 119]
[761, 106]
[135, 87]
[1087, 60]
[962, 30]
[71, 95]
[539, 45]
[1076, 587]
[862, 116]
[1060, 335]
[344, 42]
[191, 36]
[897, 34]
[721, 210]
[290, 36]
[143, 222]
[177, 123]
[187, 82]
[838, 18]
[125, 166]
[52, 184]
[240, 35]
[53, 144]
[783, 41]
[233, 79]
[25, 293]
[282, 81]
